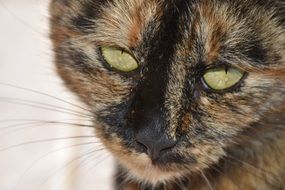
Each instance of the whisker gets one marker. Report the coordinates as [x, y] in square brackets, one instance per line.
[43, 122]
[38, 120]
[68, 164]
[20, 127]
[207, 180]
[258, 170]
[81, 163]
[45, 108]
[99, 162]
[29, 26]
[30, 102]
[44, 141]
[43, 94]
[87, 161]
[44, 156]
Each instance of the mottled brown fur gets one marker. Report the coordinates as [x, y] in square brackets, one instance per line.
[231, 140]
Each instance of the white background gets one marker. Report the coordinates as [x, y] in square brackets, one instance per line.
[26, 61]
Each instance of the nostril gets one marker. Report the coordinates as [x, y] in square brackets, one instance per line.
[168, 146]
[141, 145]
[155, 147]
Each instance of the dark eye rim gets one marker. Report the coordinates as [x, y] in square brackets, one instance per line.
[208, 89]
[107, 65]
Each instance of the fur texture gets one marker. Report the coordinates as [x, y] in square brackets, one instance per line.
[231, 140]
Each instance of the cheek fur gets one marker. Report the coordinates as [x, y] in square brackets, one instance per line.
[85, 74]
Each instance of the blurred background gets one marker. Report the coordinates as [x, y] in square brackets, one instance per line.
[42, 146]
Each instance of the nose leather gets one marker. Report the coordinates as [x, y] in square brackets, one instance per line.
[155, 143]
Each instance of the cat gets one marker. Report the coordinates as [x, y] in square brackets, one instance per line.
[185, 94]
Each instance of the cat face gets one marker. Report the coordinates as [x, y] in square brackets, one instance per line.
[174, 86]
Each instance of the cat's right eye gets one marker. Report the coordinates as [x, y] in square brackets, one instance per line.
[119, 59]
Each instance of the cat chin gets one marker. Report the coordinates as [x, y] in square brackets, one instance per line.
[142, 170]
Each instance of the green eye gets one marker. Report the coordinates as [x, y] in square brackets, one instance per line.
[119, 59]
[223, 78]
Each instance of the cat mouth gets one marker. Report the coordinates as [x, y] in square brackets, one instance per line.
[143, 168]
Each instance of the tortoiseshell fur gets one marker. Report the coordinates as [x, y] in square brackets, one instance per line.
[232, 140]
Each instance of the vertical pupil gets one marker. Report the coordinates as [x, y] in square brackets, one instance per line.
[226, 69]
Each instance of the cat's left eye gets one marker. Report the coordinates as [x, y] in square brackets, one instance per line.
[223, 78]
[119, 59]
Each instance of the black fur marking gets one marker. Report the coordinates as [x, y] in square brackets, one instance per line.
[256, 52]
[85, 19]
[79, 60]
[151, 91]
